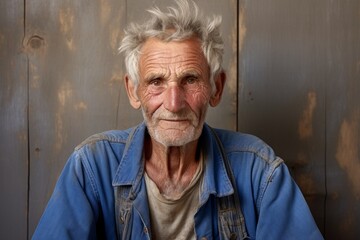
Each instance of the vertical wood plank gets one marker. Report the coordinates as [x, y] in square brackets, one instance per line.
[76, 85]
[13, 122]
[282, 70]
[224, 115]
[343, 120]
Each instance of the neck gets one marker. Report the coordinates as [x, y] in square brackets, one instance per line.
[171, 167]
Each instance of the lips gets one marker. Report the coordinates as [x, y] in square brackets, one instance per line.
[174, 120]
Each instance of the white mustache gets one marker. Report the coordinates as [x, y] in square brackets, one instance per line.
[166, 115]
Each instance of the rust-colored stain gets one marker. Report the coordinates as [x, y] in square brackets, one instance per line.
[302, 159]
[80, 106]
[64, 94]
[22, 136]
[35, 77]
[110, 20]
[232, 65]
[105, 10]
[116, 80]
[115, 36]
[306, 183]
[305, 128]
[66, 20]
[347, 154]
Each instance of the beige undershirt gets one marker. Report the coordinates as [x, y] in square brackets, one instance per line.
[174, 218]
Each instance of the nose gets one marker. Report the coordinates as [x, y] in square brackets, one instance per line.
[174, 99]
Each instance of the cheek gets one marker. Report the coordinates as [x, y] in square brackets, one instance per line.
[199, 96]
[149, 101]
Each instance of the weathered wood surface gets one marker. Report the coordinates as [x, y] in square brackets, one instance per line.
[13, 122]
[343, 120]
[299, 67]
[75, 77]
[293, 79]
[282, 94]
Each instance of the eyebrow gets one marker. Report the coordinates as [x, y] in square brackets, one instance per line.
[189, 73]
[152, 76]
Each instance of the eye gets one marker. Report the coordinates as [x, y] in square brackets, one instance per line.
[155, 82]
[191, 79]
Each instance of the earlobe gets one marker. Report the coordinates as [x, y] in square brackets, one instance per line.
[220, 80]
[131, 92]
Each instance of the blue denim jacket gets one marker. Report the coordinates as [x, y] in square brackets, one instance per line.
[101, 192]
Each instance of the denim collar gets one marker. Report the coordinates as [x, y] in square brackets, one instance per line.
[131, 168]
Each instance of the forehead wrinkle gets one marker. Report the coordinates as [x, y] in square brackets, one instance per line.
[167, 60]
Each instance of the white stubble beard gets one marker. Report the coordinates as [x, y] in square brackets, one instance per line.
[167, 139]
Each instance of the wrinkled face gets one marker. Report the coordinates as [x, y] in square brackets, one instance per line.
[174, 90]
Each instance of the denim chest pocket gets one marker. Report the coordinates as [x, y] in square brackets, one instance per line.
[231, 223]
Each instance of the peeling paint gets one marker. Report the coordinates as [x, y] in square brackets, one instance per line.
[305, 128]
[347, 153]
[66, 20]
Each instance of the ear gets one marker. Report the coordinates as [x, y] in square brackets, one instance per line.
[131, 92]
[220, 80]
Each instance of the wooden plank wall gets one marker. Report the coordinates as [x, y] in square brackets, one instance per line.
[13, 122]
[299, 89]
[293, 79]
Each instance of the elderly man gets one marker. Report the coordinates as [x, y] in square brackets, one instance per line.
[173, 176]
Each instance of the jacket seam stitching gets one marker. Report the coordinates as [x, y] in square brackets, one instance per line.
[89, 174]
[274, 166]
[256, 153]
[101, 138]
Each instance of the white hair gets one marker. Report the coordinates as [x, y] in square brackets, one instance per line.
[177, 24]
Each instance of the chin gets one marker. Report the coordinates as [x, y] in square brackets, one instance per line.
[172, 138]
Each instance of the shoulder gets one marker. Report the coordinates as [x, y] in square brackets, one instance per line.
[99, 156]
[246, 144]
[102, 150]
[112, 136]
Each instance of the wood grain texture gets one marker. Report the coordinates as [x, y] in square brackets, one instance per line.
[282, 87]
[343, 120]
[76, 86]
[293, 79]
[299, 90]
[13, 122]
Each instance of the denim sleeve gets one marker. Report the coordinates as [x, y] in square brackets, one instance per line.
[72, 210]
[283, 211]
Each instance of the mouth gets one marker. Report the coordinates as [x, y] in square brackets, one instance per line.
[174, 120]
